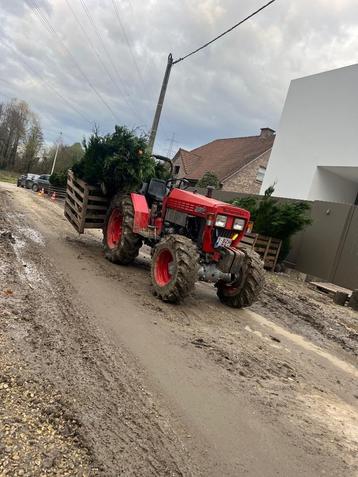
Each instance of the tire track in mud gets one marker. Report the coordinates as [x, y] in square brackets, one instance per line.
[118, 421]
[286, 387]
[258, 363]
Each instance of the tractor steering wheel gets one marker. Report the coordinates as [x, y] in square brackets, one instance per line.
[170, 183]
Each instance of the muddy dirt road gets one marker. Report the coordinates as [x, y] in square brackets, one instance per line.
[155, 389]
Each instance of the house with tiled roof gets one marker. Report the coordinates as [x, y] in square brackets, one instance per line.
[239, 163]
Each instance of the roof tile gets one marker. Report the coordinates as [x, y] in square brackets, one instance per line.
[224, 156]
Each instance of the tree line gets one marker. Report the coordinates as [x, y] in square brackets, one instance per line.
[22, 145]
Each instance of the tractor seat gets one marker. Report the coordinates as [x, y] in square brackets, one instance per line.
[156, 190]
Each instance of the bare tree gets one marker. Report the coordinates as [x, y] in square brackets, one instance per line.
[14, 118]
[32, 144]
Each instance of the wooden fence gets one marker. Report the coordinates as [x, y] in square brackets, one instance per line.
[85, 205]
[59, 191]
[267, 247]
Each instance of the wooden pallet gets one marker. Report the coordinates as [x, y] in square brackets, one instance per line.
[85, 205]
[330, 288]
[267, 247]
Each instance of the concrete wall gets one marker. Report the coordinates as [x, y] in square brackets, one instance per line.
[321, 240]
[245, 179]
[327, 249]
[346, 271]
[318, 128]
[331, 187]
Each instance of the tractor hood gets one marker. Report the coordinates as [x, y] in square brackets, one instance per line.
[199, 205]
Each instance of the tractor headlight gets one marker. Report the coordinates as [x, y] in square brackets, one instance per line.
[220, 221]
[239, 224]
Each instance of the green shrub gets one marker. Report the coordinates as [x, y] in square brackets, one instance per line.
[275, 218]
[59, 179]
[209, 179]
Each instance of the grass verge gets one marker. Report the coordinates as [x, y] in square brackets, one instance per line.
[8, 176]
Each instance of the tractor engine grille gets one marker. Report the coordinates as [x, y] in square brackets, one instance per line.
[219, 232]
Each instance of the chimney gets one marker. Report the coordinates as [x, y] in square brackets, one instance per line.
[267, 132]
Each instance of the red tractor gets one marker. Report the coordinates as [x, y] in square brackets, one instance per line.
[192, 237]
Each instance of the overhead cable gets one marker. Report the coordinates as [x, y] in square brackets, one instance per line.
[224, 33]
[99, 36]
[47, 84]
[115, 6]
[52, 31]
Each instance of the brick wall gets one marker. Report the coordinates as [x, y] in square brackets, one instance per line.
[178, 162]
[245, 179]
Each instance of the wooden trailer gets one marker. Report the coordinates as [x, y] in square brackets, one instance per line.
[85, 205]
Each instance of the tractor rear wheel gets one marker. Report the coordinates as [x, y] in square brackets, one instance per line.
[121, 245]
[245, 290]
[174, 269]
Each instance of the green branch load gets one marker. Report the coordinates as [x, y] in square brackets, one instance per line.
[118, 161]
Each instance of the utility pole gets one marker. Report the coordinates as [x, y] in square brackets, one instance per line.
[55, 158]
[171, 62]
[158, 111]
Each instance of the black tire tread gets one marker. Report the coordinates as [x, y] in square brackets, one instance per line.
[186, 258]
[253, 281]
[128, 248]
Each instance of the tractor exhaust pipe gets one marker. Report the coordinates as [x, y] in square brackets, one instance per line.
[209, 192]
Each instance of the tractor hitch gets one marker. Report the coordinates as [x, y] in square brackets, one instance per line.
[229, 265]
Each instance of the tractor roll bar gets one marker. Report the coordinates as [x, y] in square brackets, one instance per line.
[164, 159]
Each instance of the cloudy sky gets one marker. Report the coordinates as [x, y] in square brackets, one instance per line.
[81, 62]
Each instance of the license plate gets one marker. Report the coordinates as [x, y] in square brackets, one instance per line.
[223, 242]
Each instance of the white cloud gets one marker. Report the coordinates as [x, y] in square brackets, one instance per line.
[233, 87]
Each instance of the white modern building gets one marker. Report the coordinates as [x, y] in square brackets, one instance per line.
[315, 154]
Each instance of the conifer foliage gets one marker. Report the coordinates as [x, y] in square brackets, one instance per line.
[119, 161]
[274, 218]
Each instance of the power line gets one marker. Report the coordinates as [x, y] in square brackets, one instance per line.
[50, 28]
[48, 85]
[46, 23]
[11, 98]
[168, 69]
[115, 6]
[171, 144]
[87, 37]
[131, 5]
[109, 56]
[224, 33]
[98, 56]
[14, 98]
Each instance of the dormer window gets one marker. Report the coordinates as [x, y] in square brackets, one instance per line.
[260, 174]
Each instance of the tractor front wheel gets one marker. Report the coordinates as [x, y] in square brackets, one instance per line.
[174, 269]
[244, 291]
[121, 245]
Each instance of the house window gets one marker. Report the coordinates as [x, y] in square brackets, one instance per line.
[176, 170]
[260, 174]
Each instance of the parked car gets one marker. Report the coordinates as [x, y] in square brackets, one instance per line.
[21, 181]
[26, 180]
[42, 182]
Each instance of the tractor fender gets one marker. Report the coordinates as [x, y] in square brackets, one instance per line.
[141, 213]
